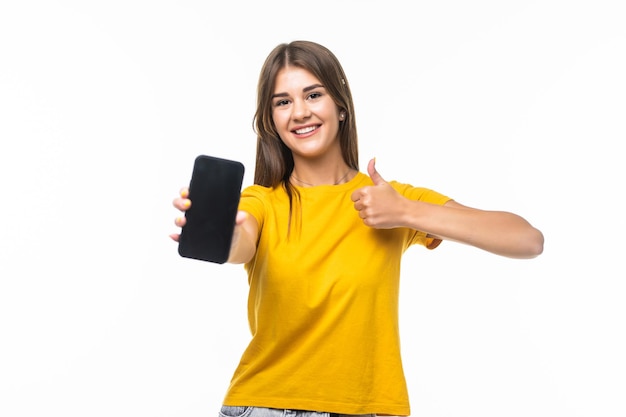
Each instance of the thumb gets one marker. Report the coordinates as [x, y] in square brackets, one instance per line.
[374, 175]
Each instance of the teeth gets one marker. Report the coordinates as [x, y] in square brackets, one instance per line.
[305, 130]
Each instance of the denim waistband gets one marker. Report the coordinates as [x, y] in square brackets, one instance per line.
[241, 411]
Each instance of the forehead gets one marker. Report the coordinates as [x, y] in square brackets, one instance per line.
[291, 77]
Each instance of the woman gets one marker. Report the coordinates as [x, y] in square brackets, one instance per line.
[322, 245]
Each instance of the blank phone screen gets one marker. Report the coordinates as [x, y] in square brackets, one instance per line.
[214, 192]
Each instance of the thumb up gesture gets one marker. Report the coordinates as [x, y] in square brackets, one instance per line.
[379, 205]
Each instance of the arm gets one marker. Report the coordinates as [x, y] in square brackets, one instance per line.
[243, 246]
[498, 232]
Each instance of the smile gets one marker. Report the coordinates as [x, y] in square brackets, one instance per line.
[305, 130]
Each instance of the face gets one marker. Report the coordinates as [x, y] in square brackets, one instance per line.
[305, 115]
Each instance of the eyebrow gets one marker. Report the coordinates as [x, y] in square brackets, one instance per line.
[304, 90]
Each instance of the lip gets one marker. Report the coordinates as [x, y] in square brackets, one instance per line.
[306, 130]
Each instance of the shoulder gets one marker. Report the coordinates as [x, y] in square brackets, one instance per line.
[259, 201]
[258, 195]
[257, 191]
[419, 193]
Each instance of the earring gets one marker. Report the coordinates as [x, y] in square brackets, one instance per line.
[342, 115]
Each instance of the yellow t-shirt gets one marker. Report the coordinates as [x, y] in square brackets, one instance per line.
[323, 304]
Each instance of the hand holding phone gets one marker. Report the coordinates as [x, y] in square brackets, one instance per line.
[214, 191]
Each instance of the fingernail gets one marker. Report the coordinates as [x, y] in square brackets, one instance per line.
[186, 203]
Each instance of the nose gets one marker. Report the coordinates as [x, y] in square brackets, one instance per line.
[300, 110]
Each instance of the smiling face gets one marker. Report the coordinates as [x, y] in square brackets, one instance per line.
[305, 115]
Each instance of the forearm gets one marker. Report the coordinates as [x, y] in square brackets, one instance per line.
[498, 232]
[241, 252]
[243, 246]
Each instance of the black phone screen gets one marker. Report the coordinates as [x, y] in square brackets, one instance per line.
[214, 191]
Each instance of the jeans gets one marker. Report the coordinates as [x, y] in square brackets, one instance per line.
[233, 411]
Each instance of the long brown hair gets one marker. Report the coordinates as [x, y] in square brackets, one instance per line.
[274, 160]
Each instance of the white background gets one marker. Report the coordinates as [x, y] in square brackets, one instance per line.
[517, 106]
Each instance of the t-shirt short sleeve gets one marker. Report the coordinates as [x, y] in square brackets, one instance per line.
[426, 195]
[253, 201]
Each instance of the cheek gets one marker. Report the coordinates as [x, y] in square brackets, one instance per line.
[280, 123]
[280, 119]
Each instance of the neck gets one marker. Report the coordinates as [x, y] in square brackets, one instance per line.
[341, 178]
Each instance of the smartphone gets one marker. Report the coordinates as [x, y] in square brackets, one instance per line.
[214, 191]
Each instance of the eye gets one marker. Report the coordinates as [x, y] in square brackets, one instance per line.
[315, 95]
[279, 103]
